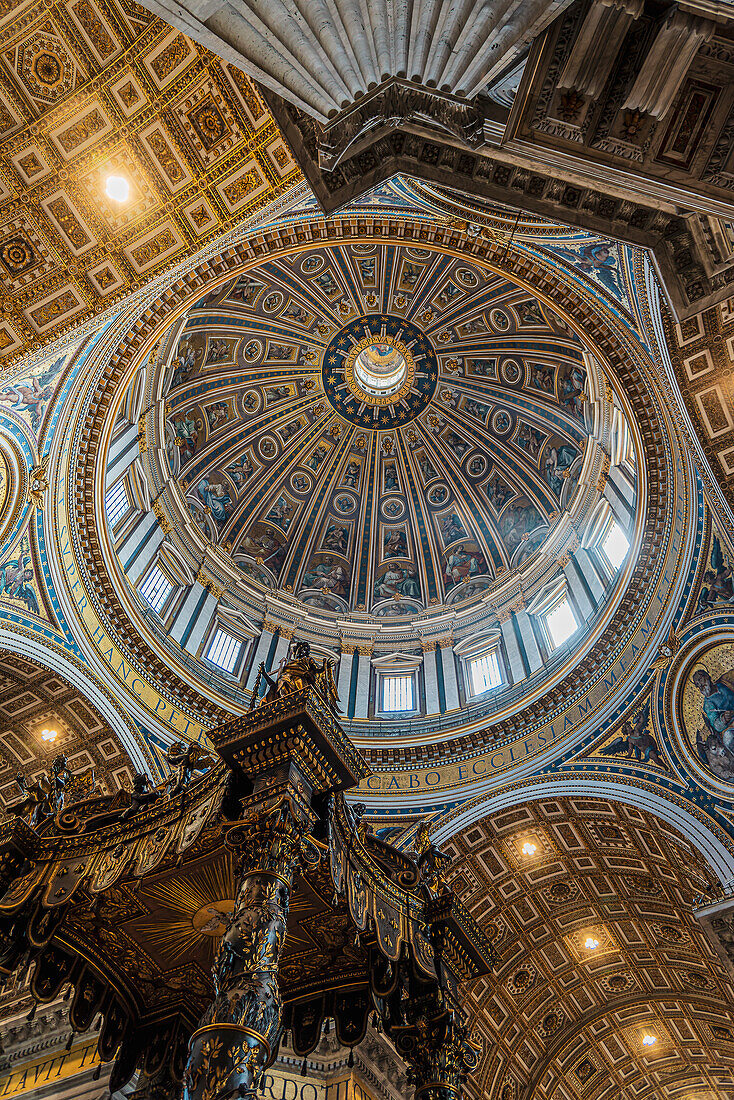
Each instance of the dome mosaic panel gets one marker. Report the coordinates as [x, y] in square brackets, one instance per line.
[377, 428]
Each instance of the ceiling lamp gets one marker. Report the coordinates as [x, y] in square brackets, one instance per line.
[117, 188]
[529, 849]
[649, 1040]
[49, 735]
[591, 944]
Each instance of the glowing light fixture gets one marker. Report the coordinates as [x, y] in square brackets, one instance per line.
[529, 849]
[649, 1040]
[117, 188]
[591, 944]
[49, 735]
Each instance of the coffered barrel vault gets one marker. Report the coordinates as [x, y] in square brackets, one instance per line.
[89, 90]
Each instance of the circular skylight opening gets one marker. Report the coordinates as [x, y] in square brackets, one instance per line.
[380, 368]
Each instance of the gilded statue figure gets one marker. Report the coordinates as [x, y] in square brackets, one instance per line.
[298, 672]
[39, 801]
[185, 760]
[432, 862]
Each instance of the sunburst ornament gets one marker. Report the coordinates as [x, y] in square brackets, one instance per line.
[380, 370]
[187, 916]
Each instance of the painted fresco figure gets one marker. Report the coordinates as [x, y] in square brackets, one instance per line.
[351, 475]
[391, 478]
[398, 581]
[718, 705]
[452, 529]
[239, 470]
[185, 361]
[462, 563]
[218, 351]
[336, 538]
[572, 396]
[187, 430]
[327, 574]
[555, 461]
[31, 398]
[599, 260]
[215, 496]
[715, 741]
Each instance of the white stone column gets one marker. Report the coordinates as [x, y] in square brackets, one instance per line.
[201, 623]
[261, 652]
[364, 674]
[450, 679]
[122, 454]
[285, 637]
[529, 642]
[621, 510]
[513, 653]
[344, 675]
[430, 678]
[140, 546]
[186, 613]
[577, 587]
[590, 573]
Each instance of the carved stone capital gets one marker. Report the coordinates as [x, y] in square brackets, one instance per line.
[206, 582]
[160, 514]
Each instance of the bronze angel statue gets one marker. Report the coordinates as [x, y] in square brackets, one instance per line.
[38, 800]
[432, 862]
[184, 760]
[298, 672]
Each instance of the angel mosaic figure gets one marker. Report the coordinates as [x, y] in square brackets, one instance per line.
[637, 741]
[16, 581]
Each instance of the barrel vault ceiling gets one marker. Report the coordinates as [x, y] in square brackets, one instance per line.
[34, 699]
[563, 1020]
[93, 87]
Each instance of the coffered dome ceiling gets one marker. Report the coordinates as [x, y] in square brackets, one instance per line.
[378, 428]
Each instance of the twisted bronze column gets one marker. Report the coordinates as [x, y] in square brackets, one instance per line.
[239, 1032]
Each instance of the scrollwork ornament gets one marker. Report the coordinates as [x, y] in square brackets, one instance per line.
[38, 483]
[441, 1054]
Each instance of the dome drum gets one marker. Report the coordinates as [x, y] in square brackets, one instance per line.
[368, 477]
